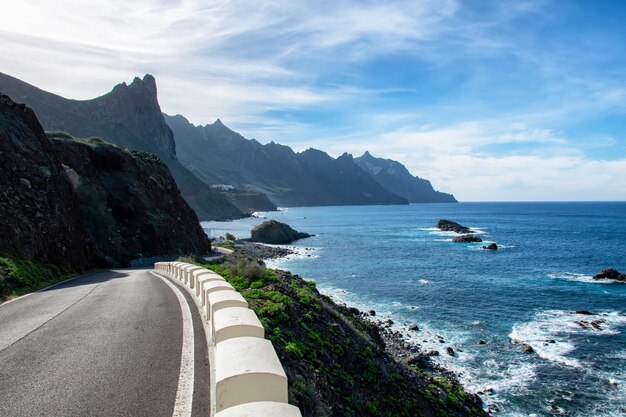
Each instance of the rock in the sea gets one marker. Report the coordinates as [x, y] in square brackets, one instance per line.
[450, 351]
[470, 238]
[414, 328]
[482, 342]
[451, 226]
[585, 312]
[432, 353]
[271, 231]
[610, 274]
[491, 246]
[526, 348]
[372, 312]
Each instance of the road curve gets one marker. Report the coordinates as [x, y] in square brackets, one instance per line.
[106, 344]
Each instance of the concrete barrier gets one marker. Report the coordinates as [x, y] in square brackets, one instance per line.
[249, 379]
[261, 409]
[218, 300]
[178, 270]
[189, 274]
[200, 287]
[247, 370]
[234, 322]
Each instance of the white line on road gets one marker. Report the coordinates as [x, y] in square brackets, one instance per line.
[184, 394]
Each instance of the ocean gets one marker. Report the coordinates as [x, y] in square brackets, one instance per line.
[393, 260]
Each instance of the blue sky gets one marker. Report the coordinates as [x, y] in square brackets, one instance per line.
[491, 100]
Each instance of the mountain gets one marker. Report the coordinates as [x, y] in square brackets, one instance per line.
[82, 203]
[396, 178]
[129, 116]
[219, 155]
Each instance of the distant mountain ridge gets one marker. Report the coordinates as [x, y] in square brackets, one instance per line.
[219, 155]
[129, 116]
[221, 174]
[396, 178]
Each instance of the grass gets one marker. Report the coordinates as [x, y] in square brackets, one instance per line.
[19, 277]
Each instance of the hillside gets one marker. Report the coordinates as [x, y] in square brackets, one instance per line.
[336, 361]
[219, 155]
[395, 177]
[129, 116]
[77, 204]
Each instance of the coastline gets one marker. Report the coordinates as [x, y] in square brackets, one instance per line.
[399, 346]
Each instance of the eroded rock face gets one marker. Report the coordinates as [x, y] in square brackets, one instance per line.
[610, 274]
[79, 204]
[272, 231]
[130, 201]
[451, 226]
[41, 218]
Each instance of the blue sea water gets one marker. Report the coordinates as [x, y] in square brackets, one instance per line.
[392, 259]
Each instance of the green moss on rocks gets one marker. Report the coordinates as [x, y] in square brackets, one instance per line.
[18, 276]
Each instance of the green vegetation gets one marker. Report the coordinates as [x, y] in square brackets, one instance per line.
[146, 156]
[18, 277]
[334, 359]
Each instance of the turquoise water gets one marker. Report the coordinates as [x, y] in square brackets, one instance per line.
[392, 260]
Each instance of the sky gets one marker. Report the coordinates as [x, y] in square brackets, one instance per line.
[491, 100]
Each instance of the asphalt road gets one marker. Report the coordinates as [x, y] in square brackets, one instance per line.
[107, 344]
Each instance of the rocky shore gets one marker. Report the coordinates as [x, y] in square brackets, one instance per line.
[262, 252]
[371, 359]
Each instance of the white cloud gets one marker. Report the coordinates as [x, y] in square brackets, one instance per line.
[253, 64]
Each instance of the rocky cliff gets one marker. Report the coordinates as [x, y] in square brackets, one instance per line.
[311, 178]
[395, 177]
[129, 116]
[40, 215]
[80, 203]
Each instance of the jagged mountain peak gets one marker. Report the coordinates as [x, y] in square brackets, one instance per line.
[396, 177]
[130, 117]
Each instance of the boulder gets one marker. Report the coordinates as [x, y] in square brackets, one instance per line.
[450, 351]
[469, 238]
[414, 328]
[526, 348]
[491, 246]
[610, 274]
[451, 226]
[271, 231]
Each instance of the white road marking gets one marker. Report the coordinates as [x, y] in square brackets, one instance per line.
[184, 394]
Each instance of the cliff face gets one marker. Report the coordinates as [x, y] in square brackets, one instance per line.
[83, 203]
[311, 178]
[129, 116]
[395, 177]
[40, 216]
[130, 202]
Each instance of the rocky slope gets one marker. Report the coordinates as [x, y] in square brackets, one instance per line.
[78, 204]
[336, 361]
[41, 218]
[396, 178]
[311, 178]
[128, 116]
[130, 203]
